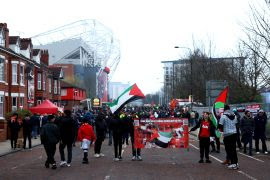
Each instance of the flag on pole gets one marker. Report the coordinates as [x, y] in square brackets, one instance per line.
[130, 94]
[219, 103]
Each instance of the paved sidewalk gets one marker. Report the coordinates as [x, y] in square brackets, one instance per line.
[5, 147]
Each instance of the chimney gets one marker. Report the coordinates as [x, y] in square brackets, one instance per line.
[6, 32]
[45, 57]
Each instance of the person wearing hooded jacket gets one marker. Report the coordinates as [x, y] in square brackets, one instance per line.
[228, 123]
[101, 128]
[247, 130]
[67, 127]
[259, 132]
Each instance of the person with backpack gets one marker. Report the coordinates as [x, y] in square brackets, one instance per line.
[86, 136]
[50, 136]
[207, 130]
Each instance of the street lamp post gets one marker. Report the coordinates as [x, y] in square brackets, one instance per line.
[191, 78]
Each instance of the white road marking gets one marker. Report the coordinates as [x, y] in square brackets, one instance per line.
[251, 157]
[107, 178]
[241, 172]
[247, 175]
[14, 167]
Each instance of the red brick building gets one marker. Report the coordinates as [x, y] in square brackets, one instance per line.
[25, 77]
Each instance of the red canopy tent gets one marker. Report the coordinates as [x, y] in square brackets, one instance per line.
[46, 107]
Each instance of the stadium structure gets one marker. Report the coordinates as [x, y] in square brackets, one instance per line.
[88, 52]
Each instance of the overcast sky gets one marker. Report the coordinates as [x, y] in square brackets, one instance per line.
[148, 30]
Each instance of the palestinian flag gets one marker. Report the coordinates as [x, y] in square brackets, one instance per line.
[130, 94]
[162, 139]
[219, 103]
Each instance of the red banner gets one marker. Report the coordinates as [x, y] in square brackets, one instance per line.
[161, 133]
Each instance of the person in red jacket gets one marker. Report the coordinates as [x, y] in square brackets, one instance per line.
[87, 136]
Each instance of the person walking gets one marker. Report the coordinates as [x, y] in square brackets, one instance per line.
[238, 141]
[100, 125]
[247, 129]
[207, 129]
[27, 131]
[36, 124]
[49, 137]
[66, 126]
[86, 136]
[116, 126]
[259, 132]
[14, 126]
[227, 123]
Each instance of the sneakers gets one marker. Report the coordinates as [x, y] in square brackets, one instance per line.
[63, 163]
[133, 158]
[68, 165]
[208, 161]
[233, 166]
[120, 158]
[116, 159]
[257, 152]
[102, 155]
[139, 158]
[85, 161]
[54, 166]
[265, 152]
[97, 155]
[200, 161]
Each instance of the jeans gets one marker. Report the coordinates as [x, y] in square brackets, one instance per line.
[204, 147]
[13, 139]
[69, 150]
[117, 142]
[248, 141]
[230, 148]
[50, 151]
[27, 135]
[264, 148]
[35, 131]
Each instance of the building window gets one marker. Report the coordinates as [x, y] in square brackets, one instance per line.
[59, 88]
[55, 87]
[44, 81]
[14, 103]
[22, 75]
[38, 102]
[50, 85]
[14, 74]
[2, 69]
[63, 92]
[39, 81]
[1, 106]
[21, 102]
[2, 38]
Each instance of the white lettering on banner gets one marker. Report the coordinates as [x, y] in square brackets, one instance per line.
[164, 121]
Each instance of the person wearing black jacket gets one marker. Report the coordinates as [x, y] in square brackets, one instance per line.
[14, 130]
[67, 127]
[49, 137]
[27, 130]
[259, 132]
[247, 129]
[238, 141]
[116, 126]
[100, 125]
[207, 129]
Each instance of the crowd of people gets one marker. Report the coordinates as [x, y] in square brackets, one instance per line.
[92, 127]
[237, 131]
